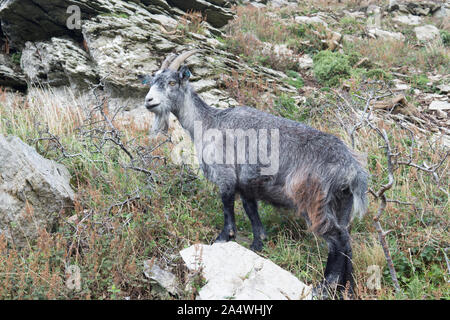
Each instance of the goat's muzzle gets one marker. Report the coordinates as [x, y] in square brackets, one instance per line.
[150, 104]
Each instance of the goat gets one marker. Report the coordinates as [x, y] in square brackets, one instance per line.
[316, 174]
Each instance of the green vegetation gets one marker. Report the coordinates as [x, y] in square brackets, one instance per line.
[445, 36]
[15, 57]
[331, 67]
[294, 79]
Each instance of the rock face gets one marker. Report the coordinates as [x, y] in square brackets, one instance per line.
[33, 191]
[234, 272]
[118, 40]
[58, 62]
[215, 10]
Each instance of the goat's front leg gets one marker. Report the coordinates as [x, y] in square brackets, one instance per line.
[229, 229]
[251, 208]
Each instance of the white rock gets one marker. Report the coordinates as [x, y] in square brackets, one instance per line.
[410, 20]
[445, 88]
[310, 20]
[400, 85]
[234, 272]
[305, 62]
[441, 12]
[165, 278]
[356, 14]
[426, 33]
[386, 35]
[439, 105]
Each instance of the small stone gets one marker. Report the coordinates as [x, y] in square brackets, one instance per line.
[439, 105]
[165, 278]
[444, 88]
[305, 62]
[310, 20]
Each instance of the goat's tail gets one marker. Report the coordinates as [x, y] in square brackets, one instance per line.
[358, 188]
[321, 197]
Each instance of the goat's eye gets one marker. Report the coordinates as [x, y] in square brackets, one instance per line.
[172, 83]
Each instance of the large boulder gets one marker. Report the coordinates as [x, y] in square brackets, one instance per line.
[426, 33]
[33, 191]
[234, 272]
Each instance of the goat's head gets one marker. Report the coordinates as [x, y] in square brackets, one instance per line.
[168, 87]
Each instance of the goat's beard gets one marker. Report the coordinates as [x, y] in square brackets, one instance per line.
[161, 123]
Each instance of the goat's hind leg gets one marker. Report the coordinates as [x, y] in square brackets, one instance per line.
[251, 208]
[338, 271]
[229, 229]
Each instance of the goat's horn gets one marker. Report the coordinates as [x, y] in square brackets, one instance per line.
[168, 61]
[175, 65]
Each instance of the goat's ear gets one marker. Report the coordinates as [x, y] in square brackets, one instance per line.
[145, 79]
[185, 74]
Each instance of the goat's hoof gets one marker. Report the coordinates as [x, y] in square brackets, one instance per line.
[225, 236]
[331, 291]
[321, 292]
[257, 246]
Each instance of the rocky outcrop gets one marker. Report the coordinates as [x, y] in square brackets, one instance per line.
[215, 11]
[10, 74]
[417, 8]
[119, 40]
[58, 62]
[234, 272]
[33, 191]
[34, 20]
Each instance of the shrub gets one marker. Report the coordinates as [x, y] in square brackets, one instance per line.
[331, 67]
[445, 36]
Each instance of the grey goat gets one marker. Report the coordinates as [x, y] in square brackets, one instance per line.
[317, 174]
